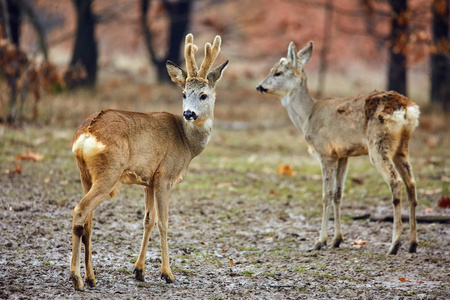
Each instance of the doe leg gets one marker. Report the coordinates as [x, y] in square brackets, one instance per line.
[385, 166]
[149, 222]
[339, 191]
[404, 168]
[162, 204]
[329, 167]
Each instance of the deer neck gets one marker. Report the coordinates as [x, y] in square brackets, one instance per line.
[197, 136]
[299, 104]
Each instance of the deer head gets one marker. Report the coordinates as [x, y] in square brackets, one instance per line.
[198, 85]
[288, 72]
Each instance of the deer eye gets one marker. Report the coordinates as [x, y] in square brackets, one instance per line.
[203, 96]
[184, 95]
[277, 74]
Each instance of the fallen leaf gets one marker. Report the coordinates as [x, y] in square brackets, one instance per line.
[64, 182]
[420, 282]
[429, 209]
[29, 155]
[231, 262]
[357, 180]
[224, 250]
[444, 202]
[272, 192]
[47, 180]
[358, 243]
[17, 170]
[403, 279]
[285, 170]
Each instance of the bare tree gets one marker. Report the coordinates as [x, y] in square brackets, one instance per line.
[85, 50]
[397, 46]
[440, 59]
[178, 13]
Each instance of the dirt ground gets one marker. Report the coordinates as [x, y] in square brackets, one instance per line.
[237, 229]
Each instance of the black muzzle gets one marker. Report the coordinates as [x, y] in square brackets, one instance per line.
[189, 115]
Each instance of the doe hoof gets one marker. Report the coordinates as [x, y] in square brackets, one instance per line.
[139, 274]
[319, 245]
[394, 248]
[336, 243]
[167, 278]
[77, 283]
[412, 247]
[91, 283]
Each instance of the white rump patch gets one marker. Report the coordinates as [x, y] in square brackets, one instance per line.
[413, 113]
[87, 145]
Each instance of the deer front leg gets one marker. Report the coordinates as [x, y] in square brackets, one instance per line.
[149, 222]
[337, 197]
[329, 167]
[162, 203]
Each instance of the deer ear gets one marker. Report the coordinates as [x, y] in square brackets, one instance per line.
[216, 74]
[292, 56]
[305, 54]
[177, 74]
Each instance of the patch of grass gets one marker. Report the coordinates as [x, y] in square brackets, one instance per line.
[248, 273]
[300, 269]
[46, 263]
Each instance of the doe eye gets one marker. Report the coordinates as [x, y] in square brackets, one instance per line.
[184, 95]
[203, 96]
[277, 74]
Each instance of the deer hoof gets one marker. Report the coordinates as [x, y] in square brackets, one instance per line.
[139, 274]
[394, 248]
[77, 282]
[319, 245]
[91, 282]
[336, 242]
[412, 247]
[167, 278]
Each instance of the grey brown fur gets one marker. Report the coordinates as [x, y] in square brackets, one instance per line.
[379, 124]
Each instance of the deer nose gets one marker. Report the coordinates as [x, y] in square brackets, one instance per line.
[189, 115]
[259, 88]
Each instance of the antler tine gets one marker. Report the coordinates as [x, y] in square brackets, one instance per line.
[211, 54]
[189, 50]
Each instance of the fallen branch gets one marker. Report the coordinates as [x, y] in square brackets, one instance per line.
[443, 219]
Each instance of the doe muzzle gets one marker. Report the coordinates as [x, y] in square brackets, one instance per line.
[189, 115]
[260, 88]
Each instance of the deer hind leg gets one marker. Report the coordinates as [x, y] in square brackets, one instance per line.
[337, 197]
[381, 156]
[162, 194]
[401, 160]
[329, 168]
[82, 224]
[149, 222]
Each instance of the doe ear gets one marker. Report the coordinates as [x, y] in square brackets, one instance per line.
[216, 73]
[177, 74]
[305, 54]
[292, 55]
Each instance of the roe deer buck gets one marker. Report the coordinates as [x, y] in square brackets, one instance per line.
[149, 149]
[379, 124]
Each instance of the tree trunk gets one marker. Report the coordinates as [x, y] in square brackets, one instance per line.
[85, 50]
[327, 27]
[179, 12]
[440, 59]
[397, 47]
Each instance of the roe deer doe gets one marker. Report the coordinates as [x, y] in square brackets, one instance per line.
[149, 149]
[379, 124]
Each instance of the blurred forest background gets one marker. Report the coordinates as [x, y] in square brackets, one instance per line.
[53, 47]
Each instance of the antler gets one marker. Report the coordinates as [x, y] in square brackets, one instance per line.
[189, 50]
[211, 54]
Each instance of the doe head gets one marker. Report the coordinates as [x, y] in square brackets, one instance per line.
[198, 85]
[287, 74]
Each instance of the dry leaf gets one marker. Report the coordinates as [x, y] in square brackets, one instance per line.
[285, 170]
[17, 170]
[358, 243]
[29, 155]
[429, 209]
[444, 202]
[231, 262]
[272, 192]
[357, 180]
[47, 180]
[420, 282]
[403, 279]
[224, 250]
